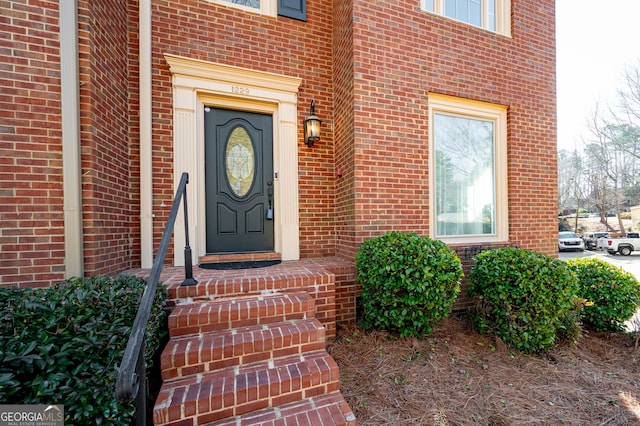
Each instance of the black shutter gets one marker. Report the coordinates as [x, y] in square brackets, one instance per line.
[296, 9]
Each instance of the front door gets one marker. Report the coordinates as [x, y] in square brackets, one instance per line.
[238, 181]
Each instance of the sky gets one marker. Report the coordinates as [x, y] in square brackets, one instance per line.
[595, 40]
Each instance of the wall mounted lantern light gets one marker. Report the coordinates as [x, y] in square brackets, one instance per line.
[312, 126]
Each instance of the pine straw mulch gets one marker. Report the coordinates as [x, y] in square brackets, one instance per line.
[457, 376]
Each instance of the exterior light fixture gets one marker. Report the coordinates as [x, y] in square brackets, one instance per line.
[312, 126]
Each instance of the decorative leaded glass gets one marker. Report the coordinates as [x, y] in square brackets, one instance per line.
[240, 161]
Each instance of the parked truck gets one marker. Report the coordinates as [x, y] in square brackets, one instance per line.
[625, 245]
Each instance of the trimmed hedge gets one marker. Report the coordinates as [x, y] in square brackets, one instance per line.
[614, 293]
[409, 282]
[524, 297]
[63, 345]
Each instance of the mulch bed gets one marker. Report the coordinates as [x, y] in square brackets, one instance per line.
[457, 376]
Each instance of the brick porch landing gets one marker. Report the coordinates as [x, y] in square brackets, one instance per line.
[329, 280]
[248, 346]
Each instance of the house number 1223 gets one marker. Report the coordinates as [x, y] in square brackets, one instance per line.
[240, 90]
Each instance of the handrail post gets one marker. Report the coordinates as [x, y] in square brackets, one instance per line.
[141, 396]
[188, 267]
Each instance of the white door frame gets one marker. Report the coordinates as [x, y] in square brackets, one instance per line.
[197, 84]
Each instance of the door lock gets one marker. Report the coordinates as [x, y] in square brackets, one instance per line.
[269, 215]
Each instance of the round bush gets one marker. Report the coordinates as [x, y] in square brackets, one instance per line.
[523, 296]
[409, 282]
[614, 292]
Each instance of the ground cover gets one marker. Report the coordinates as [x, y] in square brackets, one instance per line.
[456, 376]
[594, 224]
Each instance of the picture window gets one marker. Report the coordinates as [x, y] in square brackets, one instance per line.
[468, 170]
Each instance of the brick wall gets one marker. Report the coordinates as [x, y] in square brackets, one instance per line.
[31, 213]
[108, 216]
[344, 128]
[368, 65]
[404, 54]
[223, 34]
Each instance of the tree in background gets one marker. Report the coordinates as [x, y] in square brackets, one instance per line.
[629, 95]
[615, 162]
[605, 175]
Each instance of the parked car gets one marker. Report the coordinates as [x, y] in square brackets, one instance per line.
[568, 240]
[591, 239]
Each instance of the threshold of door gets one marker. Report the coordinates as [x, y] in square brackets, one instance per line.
[239, 257]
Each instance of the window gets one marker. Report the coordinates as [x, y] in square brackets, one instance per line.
[468, 172]
[249, 3]
[263, 7]
[296, 9]
[492, 15]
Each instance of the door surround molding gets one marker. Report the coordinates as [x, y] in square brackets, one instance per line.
[197, 84]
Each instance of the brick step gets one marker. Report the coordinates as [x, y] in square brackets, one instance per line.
[328, 410]
[242, 389]
[201, 353]
[280, 278]
[239, 312]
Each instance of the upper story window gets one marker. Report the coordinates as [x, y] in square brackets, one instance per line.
[263, 7]
[296, 9]
[249, 3]
[492, 15]
[468, 172]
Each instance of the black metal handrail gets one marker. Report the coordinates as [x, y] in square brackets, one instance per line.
[131, 381]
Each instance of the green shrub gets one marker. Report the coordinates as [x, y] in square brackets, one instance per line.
[523, 297]
[570, 328]
[614, 292]
[63, 345]
[409, 282]
[564, 226]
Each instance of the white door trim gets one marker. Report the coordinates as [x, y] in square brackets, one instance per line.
[197, 84]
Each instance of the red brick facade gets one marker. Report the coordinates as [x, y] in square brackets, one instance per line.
[368, 65]
[31, 213]
[399, 61]
[109, 209]
[276, 45]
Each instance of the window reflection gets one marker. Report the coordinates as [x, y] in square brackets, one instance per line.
[249, 3]
[465, 198]
[481, 13]
[469, 11]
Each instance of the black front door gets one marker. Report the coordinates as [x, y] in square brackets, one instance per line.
[238, 181]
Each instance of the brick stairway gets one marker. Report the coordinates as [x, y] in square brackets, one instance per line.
[255, 359]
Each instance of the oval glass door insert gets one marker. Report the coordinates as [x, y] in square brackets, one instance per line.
[240, 161]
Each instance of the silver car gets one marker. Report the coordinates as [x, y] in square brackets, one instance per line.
[568, 240]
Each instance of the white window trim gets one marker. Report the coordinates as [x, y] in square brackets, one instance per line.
[503, 15]
[267, 7]
[484, 111]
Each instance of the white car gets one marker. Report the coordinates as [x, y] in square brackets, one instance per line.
[568, 240]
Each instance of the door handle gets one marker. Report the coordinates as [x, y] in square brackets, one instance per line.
[269, 215]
